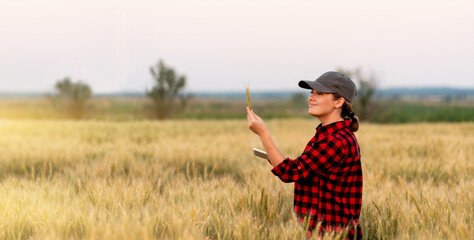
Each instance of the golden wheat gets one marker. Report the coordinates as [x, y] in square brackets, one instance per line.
[248, 98]
[199, 179]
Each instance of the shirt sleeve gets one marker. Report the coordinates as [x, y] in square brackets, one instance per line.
[320, 158]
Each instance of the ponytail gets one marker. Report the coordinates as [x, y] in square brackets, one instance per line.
[348, 113]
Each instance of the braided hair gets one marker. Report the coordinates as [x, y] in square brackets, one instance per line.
[348, 113]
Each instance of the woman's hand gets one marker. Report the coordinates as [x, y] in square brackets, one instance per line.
[256, 124]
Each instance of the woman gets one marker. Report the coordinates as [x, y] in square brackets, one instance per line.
[328, 174]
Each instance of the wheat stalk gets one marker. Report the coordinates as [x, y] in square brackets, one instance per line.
[248, 96]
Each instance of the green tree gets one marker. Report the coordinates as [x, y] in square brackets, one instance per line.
[367, 85]
[167, 94]
[71, 97]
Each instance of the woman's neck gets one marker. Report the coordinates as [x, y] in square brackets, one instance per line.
[328, 119]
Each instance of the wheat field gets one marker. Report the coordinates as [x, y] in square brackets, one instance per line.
[193, 179]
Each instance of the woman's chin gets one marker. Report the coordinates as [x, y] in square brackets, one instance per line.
[312, 113]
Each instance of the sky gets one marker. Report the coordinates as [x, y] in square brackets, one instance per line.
[220, 45]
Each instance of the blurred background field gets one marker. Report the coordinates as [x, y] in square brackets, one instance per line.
[198, 179]
[389, 106]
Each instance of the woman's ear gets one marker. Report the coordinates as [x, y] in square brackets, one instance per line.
[340, 102]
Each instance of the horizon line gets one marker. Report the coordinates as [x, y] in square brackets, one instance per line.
[39, 92]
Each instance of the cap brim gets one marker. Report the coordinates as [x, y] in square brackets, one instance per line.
[307, 84]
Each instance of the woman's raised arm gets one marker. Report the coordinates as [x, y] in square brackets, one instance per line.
[257, 126]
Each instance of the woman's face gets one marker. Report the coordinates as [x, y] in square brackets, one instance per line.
[321, 104]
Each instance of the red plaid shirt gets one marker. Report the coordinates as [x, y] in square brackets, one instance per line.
[328, 179]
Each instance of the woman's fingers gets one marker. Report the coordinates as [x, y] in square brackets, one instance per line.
[253, 122]
[256, 124]
[251, 119]
[255, 115]
[251, 112]
[250, 116]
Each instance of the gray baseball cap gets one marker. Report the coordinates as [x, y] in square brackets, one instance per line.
[332, 82]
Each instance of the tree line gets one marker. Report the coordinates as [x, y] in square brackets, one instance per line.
[168, 97]
[167, 93]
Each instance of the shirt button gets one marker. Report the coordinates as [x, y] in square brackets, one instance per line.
[299, 167]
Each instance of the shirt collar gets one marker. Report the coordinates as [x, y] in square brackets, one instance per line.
[332, 127]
